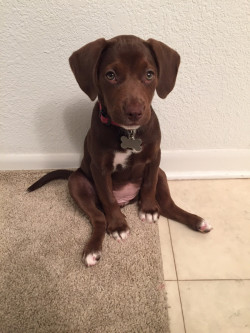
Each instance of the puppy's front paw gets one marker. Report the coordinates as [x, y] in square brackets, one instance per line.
[148, 217]
[91, 259]
[118, 228]
[119, 233]
[119, 236]
[149, 211]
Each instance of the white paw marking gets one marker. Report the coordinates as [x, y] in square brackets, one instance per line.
[116, 236]
[142, 216]
[205, 226]
[155, 217]
[148, 217]
[92, 259]
[122, 236]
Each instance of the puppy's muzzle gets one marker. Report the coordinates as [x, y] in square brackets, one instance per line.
[134, 112]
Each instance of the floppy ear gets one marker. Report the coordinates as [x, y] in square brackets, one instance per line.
[83, 63]
[168, 61]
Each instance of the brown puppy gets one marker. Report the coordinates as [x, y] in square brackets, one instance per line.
[122, 148]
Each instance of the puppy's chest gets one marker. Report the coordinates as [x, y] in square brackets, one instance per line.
[121, 159]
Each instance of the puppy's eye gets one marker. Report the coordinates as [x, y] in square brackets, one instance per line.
[150, 75]
[110, 75]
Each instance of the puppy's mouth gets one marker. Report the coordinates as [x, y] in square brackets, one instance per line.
[128, 124]
[132, 121]
[127, 117]
[135, 127]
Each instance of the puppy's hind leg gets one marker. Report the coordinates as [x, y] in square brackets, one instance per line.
[170, 210]
[83, 192]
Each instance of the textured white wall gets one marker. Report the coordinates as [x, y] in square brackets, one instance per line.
[44, 111]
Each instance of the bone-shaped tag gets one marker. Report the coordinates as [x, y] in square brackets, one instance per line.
[130, 143]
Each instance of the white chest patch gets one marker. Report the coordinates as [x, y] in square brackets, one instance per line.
[121, 159]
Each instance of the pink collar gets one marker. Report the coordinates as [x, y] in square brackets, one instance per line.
[105, 119]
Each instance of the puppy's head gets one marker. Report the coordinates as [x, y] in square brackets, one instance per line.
[124, 73]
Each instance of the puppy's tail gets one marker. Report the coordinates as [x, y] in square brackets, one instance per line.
[53, 175]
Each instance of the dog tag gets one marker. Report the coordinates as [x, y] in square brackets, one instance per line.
[131, 142]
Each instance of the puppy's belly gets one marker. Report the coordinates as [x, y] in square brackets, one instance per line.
[126, 193]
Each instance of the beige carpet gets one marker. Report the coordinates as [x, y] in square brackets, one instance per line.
[44, 287]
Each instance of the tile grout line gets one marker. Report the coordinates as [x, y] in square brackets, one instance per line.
[177, 278]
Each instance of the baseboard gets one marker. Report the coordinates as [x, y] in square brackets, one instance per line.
[39, 161]
[206, 164]
[178, 164]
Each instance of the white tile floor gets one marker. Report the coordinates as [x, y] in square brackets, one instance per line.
[207, 276]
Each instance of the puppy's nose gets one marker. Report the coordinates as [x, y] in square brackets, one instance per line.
[134, 112]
